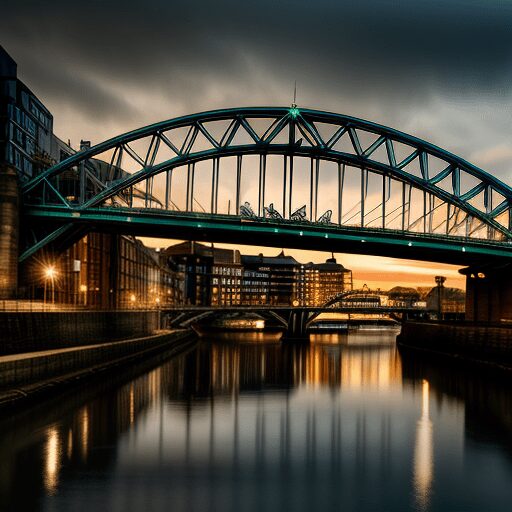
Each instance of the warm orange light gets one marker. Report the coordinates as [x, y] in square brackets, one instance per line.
[133, 298]
[50, 272]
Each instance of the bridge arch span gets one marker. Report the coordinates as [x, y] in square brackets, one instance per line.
[290, 166]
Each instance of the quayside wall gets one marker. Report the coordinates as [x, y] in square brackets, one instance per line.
[43, 330]
[24, 377]
[485, 343]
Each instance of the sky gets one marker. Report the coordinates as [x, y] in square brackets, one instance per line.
[437, 69]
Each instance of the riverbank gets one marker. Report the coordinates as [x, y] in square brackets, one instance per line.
[490, 345]
[24, 377]
[43, 330]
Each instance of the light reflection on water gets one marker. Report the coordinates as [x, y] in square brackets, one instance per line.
[424, 452]
[343, 424]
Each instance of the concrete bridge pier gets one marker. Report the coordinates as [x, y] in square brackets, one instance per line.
[9, 232]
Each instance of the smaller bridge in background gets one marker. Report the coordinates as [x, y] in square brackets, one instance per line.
[294, 320]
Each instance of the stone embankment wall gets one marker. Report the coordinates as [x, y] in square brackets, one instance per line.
[26, 376]
[32, 331]
[477, 342]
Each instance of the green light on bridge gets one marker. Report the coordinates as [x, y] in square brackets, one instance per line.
[294, 112]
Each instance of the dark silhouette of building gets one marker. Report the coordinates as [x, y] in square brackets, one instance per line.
[26, 125]
[272, 280]
[206, 275]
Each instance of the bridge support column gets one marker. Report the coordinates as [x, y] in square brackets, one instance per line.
[9, 232]
[488, 294]
[296, 330]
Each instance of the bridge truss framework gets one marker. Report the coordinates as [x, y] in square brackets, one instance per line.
[274, 168]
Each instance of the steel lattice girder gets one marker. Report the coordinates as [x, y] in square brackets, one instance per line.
[304, 138]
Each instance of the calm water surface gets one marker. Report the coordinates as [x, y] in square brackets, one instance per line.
[346, 423]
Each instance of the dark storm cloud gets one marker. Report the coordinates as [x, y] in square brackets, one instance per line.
[103, 57]
[419, 43]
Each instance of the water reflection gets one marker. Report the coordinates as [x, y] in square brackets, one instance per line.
[52, 462]
[251, 426]
[424, 453]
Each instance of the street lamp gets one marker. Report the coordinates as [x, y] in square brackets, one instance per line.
[440, 284]
[50, 273]
[83, 289]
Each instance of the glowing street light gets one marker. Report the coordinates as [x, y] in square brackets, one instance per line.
[83, 289]
[50, 273]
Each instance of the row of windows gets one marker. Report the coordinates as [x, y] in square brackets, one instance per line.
[21, 119]
[21, 162]
[223, 280]
[253, 283]
[227, 271]
[43, 118]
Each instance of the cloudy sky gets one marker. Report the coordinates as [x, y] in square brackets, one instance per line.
[437, 69]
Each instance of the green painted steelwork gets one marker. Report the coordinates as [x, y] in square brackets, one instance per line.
[483, 209]
[230, 229]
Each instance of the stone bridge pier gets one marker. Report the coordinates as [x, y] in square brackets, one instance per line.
[9, 232]
[488, 293]
[296, 323]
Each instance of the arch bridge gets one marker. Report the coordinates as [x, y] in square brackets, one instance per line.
[294, 320]
[275, 176]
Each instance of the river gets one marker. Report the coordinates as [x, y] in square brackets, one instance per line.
[347, 423]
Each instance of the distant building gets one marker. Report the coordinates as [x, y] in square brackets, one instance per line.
[449, 302]
[104, 272]
[222, 277]
[272, 280]
[322, 282]
[206, 275]
[403, 297]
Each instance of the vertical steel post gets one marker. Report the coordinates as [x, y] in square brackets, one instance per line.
[285, 162]
[192, 177]
[187, 201]
[238, 182]
[403, 206]
[340, 185]
[167, 189]
[317, 176]
[291, 187]
[384, 192]
[311, 182]
[260, 188]
[363, 194]
[264, 169]
[409, 208]
[170, 185]
[217, 185]
[212, 208]
[424, 212]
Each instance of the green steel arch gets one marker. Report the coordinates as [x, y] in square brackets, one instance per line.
[453, 199]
